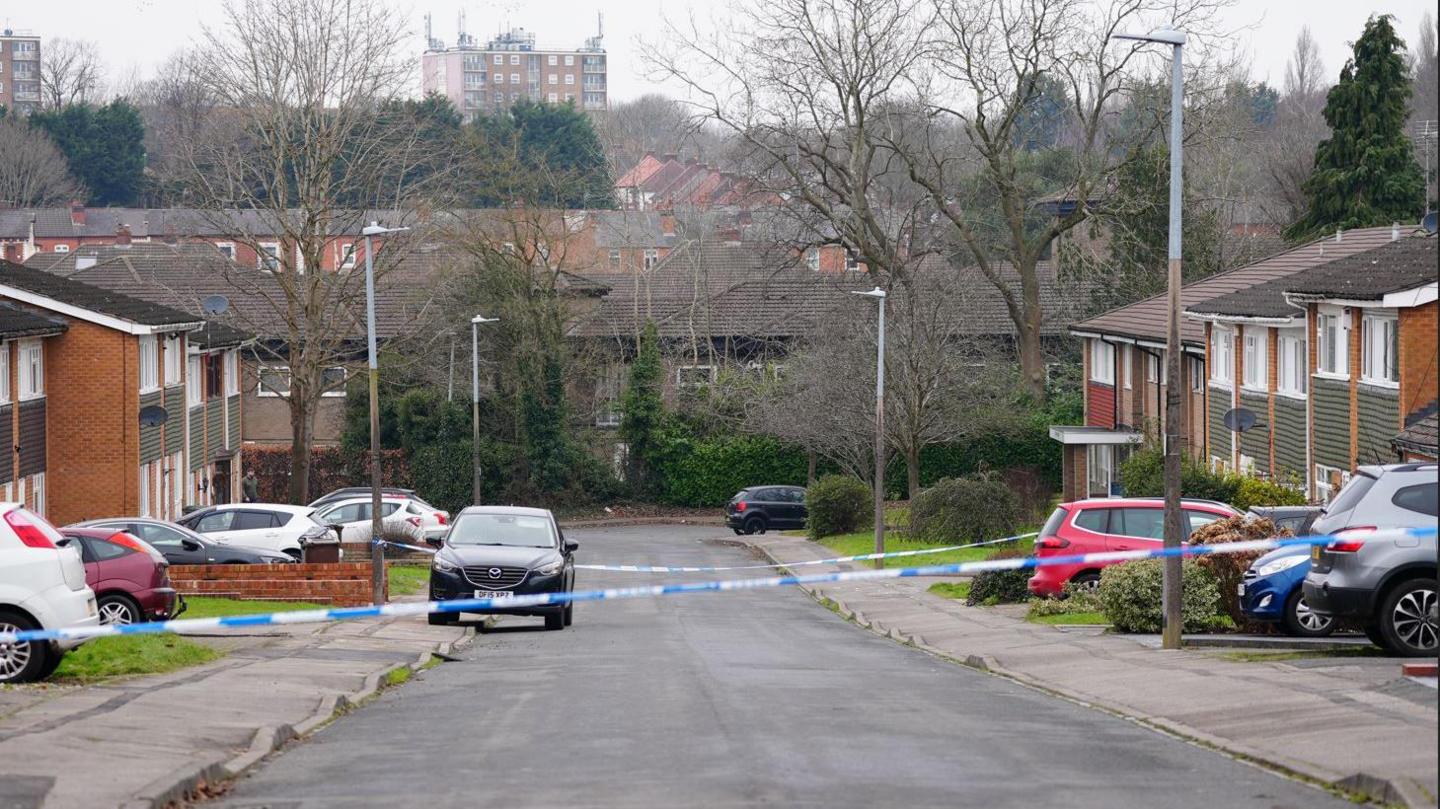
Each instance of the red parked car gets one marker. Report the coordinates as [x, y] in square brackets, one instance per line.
[1108, 524]
[131, 579]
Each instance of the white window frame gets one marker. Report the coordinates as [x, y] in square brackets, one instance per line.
[1197, 375]
[62, 248]
[1246, 465]
[145, 478]
[264, 253]
[553, 59]
[499, 59]
[680, 383]
[569, 60]
[1222, 356]
[1339, 345]
[231, 372]
[1324, 491]
[4, 372]
[226, 249]
[553, 98]
[37, 492]
[1127, 365]
[261, 390]
[1290, 360]
[1152, 368]
[652, 257]
[1256, 363]
[149, 363]
[514, 78]
[812, 258]
[32, 370]
[514, 58]
[1102, 361]
[194, 381]
[554, 78]
[347, 255]
[337, 393]
[1379, 349]
[173, 360]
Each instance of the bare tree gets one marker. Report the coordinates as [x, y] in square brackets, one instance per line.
[176, 104]
[1288, 152]
[1305, 72]
[33, 173]
[70, 73]
[297, 154]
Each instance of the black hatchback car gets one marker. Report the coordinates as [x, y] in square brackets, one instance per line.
[498, 553]
[760, 508]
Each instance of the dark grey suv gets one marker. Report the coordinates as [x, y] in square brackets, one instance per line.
[1386, 582]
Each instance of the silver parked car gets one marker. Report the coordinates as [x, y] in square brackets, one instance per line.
[1389, 585]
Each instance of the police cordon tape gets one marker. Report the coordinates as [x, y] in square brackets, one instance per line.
[480, 605]
[859, 558]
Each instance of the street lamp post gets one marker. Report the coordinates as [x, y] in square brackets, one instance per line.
[879, 295]
[475, 402]
[377, 531]
[1171, 621]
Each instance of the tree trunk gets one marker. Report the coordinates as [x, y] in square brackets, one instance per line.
[302, 439]
[912, 470]
[810, 470]
[1032, 356]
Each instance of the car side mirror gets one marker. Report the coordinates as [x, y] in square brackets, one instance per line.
[190, 544]
[570, 547]
[434, 542]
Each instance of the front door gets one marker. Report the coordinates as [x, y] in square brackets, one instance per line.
[220, 482]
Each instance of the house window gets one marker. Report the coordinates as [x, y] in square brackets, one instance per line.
[553, 59]
[1222, 356]
[614, 258]
[1152, 368]
[812, 259]
[62, 248]
[569, 78]
[4, 373]
[1102, 362]
[552, 97]
[553, 78]
[149, 363]
[1328, 480]
[172, 359]
[269, 257]
[514, 78]
[227, 249]
[332, 381]
[193, 375]
[694, 376]
[1290, 362]
[1197, 375]
[1247, 465]
[214, 376]
[347, 256]
[514, 58]
[274, 381]
[1330, 344]
[1257, 360]
[1100, 463]
[1127, 362]
[1379, 350]
[652, 257]
[569, 60]
[232, 373]
[37, 493]
[499, 59]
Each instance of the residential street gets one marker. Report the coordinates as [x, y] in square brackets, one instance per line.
[745, 698]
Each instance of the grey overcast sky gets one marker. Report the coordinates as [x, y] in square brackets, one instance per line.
[135, 35]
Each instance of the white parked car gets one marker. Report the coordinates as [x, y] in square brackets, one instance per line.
[408, 517]
[42, 586]
[268, 526]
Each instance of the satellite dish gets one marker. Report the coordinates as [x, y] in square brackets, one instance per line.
[1239, 420]
[153, 416]
[215, 305]
[1429, 222]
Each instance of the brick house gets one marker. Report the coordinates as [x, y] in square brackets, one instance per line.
[1124, 368]
[24, 342]
[101, 458]
[1335, 361]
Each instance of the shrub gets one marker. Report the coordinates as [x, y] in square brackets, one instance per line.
[1130, 596]
[1256, 492]
[838, 504]
[968, 509]
[707, 472]
[1143, 475]
[1229, 569]
[991, 587]
[1076, 600]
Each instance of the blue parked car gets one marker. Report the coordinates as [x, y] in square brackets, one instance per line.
[1271, 589]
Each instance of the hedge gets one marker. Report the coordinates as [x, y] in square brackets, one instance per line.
[969, 509]
[708, 472]
[1130, 595]
[331, 468]
[838, 504]
[1143, 475]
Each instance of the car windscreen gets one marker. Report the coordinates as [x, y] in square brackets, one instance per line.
[517, 530]
[1052, 525]
[1350, 496]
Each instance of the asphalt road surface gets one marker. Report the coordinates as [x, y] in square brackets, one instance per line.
[738, 699]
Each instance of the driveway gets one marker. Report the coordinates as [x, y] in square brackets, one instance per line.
[737, 699]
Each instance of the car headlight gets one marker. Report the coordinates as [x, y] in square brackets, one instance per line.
[551, 568]
[1283, 563]
[444, 565]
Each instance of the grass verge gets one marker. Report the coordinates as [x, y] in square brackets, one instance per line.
[959, 590]
[398, 676]
[104, 658]
[208, 607]
[1067, 618]
[862, 543]
[408, 579]
[1272, 657]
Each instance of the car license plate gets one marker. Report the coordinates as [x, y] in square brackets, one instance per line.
[1314, 553]
[493, 594]
[1240, 589]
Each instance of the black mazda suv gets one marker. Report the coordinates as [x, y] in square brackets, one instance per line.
[498, 553]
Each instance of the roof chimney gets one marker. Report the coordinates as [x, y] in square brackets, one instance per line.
[122, 235]
[1394, 231]
[1339, 232]
[77, 213]
[667, 223]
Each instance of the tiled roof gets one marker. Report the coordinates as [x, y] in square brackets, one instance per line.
[1369, 275]
[1146, 319]
[17, 322]
[158, 223]
[1422, 435]
[92, 298]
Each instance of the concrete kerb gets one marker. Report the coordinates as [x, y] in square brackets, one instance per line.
[179, 786]
[1369, 787]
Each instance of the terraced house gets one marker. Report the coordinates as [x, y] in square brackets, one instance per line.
[1124, 369]
[80, 386]
[1335, 362]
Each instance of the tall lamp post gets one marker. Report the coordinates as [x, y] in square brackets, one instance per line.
[1171, 622]
[879, 295]
[377, 531]
[475, 401]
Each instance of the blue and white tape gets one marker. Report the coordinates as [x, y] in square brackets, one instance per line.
[860, 558]
[654, 591]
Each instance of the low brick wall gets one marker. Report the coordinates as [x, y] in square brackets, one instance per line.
[357, 551]
[344, 584]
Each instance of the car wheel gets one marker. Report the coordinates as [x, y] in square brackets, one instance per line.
[1303, 622]
[755, 525]
[1372, 631]
[570, 613]
[440, 619]
[1089, 581]
[1409, 620]
[118, 610]
[737, 531]
[22, 662]
[555, 620]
